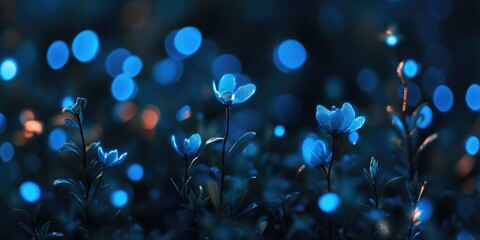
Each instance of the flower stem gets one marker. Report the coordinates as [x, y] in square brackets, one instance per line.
[88, 181]
[377, 199]
[185, 178]
[227, 117]
[329, 187]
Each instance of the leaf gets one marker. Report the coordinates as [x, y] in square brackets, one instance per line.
[213, 139]
[44, 229]
[426, 142]
[214, 194]
[54, 235]
[261, 224]
[240, 145]
[71, 123]
[70, 147]
[216, 173]
[385, 186]
[248, 209]
[208, 142]
[24, 213]
[26, 228]
[368, 176]
[291, 197]
[91, 153]
[79, 200]
[37, 211]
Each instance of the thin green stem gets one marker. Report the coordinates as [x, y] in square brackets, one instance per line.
[227, 119]
[329, 187]
[87, 175]
[84, 150]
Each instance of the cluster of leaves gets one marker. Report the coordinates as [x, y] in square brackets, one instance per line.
[30, 225]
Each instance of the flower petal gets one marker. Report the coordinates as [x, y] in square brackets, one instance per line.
[112, 157]
[243, 93]
[336, 121]
[175, 145]
[101, 155]
[356, 124]
[227, 83]
[216, 93]
[194, 144]
[348, 115]
[323, 117]
[119, 160]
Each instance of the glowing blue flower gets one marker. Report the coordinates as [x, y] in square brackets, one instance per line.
[227, 94]
[315, 153]
[338, 121]
[189, 147]
[110, 159]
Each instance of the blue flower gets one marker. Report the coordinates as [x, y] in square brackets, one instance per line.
[110, 159]
[189, 147]
[315, 153]
[338, 121]
[227, 94]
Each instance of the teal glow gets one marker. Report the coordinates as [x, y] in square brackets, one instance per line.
[122, 87]
[187, 40]
[328, 202]
[426, 209]
[85, 46]
[57, 138]
[472, 145]
[132, 66]
[443, 98]
[391, 40]
[472, 97]
[115, 60]
[289, 55]
[279, 131]
[119, 198]
[57, 55]
[67, 102]
[353, 137]
[6, 151]
[226, 63]
[30, 191]
[8, 69]
[135, 172]
[167, 71]
[410, 68]
[367, 80]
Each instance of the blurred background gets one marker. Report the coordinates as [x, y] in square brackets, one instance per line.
[146, 68]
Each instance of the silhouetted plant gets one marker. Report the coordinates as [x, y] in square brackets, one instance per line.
[94, 161]
[30, 225]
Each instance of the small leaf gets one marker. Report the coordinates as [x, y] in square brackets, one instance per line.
[26, 228]
[385, 186]
[248, 209]
[216, 173]
[368, 177]
[37, 211]
[44, 229]
[239, 146]
[71, 147]
[91, 150]
[78, 200]
[71, 123]
[291, 197]
[214, 194]
[427, 142]
[175, 185]
[24, 213]
[213, 139]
